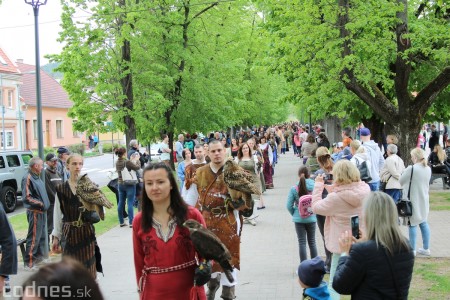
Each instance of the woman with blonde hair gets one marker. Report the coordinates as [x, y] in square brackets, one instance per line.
[437, 160]
[368, 259]
[344, 200]
[419, 175]
[391, 139]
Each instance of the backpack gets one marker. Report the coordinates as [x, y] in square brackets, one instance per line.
[304, 205]
[189, 144]
[364, 171]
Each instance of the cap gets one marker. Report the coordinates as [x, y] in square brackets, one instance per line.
[311, 271]
[364, 131]
[63, 150]
[51, 157]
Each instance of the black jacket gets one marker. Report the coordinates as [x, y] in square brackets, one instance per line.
[365, 273]
[8, 263]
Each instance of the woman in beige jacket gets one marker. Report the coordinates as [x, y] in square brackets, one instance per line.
[344, 199]
[392, 170]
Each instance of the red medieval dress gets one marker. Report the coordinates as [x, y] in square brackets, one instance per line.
[169, 260]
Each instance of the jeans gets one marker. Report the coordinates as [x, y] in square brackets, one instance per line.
[374, 186]
[306, 231]
[425, 230]
[395, 194]
[334, 263]
[126, 192]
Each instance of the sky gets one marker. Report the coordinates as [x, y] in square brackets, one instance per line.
[17, 30]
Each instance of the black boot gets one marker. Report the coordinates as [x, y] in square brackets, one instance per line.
[213, 285]
[228, 293]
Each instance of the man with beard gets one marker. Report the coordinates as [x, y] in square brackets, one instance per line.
[189, 175]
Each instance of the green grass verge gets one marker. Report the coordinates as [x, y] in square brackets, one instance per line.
[440, 200]
[20, 224]
[430, 279]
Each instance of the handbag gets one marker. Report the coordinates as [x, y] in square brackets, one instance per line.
[383, 184]
[364, 171]
[89, 216]
[404, 206]
[129, 177]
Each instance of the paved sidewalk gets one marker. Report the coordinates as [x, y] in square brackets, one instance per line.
[269, 251]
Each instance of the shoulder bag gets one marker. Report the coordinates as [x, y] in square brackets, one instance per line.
[364, 171]
[384, 183]
[129, 177]
[404, 206]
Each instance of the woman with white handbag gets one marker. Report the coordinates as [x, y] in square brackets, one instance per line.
[127, 184]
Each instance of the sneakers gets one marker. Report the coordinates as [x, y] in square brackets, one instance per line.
[31, 269]
[425, 252]
[7, 285]
[123, 225]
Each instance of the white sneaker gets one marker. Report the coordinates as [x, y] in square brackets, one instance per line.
[425, 252]
[32, 269]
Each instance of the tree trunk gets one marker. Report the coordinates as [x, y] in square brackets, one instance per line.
[407, 132]
[375, 125]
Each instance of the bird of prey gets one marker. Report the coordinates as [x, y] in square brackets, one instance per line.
[91, 196]
[239, 182]
[209, 246]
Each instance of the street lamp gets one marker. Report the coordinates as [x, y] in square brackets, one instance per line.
[36, 4]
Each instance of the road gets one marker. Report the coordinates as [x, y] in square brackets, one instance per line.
[96, 167]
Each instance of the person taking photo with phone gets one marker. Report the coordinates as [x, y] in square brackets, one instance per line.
[382, 255]
[344, 200]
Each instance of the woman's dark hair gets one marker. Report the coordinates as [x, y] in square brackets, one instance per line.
[69, 275]
[323, 137]
[120, 152]
[303, 173]
[177, 209]
[240, 154]
[164, 136]
[310, 138]
[183, 153]
[188, 136]
[313, 152]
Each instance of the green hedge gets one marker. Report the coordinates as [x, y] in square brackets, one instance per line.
[107, 147]
[77, 148]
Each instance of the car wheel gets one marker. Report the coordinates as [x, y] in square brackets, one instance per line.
[8, 198]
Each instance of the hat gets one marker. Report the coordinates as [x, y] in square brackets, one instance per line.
[311, 271]
[63, 150]
[51, 157]
[364, 131]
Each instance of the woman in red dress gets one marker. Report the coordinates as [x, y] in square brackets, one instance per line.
[164, 256]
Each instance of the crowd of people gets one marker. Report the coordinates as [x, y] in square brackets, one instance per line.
[336, 182]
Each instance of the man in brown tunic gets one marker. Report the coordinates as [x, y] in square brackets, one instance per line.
[221, 216]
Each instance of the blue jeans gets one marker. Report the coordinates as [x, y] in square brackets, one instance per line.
[126, 192]
[374, 186]
[394, 193]
[334, 263]
[306, 231]
[425, 230]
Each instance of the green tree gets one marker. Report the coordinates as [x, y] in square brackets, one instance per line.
[364, 59]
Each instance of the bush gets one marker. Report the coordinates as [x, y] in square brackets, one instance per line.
[107, 147]
[48, 150]
[77, 148]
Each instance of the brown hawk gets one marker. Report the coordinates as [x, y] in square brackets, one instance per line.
[91, 196]
[239, 182]
[209, 246]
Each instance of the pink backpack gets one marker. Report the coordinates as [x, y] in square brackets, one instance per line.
[304, 205]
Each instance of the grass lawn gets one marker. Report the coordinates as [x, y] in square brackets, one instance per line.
[20, 223]
[440, 200]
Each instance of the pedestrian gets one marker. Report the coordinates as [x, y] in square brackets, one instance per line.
[63, 154]
[134, 148]
[267, 153]
[382, 255]
[179, 148]
[77, 238]
[8, 262]
[182, 165]
[223, 219]
[65, 279]
[437, 161]
[127, 192]
[304, 227]
[189, 175]
[434, 138]
[391, 172]
[165, 150]
[52, 180]
[164, 256]
[374, 156]
[418, 175]
[310, 277]
[259, 160]
[344, 200]
[36, 201]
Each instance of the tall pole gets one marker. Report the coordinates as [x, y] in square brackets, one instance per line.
[38, 83]
[3, 126]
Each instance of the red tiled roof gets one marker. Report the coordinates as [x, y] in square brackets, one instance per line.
[9, 67]
[52, 93]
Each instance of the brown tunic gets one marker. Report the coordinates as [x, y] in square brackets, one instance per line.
[219, 219]
[189, 174]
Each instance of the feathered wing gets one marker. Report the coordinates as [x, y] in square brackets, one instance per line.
[236, 178]
[210, 247]
[91, 196]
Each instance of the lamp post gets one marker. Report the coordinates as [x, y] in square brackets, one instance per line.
[36, 4]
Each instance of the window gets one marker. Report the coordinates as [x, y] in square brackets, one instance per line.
[35, 129]
[10, 98]
[59, 129]
[9, 139]
[13, 161]
[2, 162]
[26, 158]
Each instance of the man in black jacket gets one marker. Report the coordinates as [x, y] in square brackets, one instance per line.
[134, 147]
[52, 179]
[434, 138]
[35, 200]
[8, 263]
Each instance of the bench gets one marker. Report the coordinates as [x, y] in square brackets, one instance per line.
[435, 176]
[21, 244]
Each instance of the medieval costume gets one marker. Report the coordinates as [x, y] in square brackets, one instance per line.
[267, 167]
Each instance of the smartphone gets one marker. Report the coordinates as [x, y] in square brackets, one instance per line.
[354, 220]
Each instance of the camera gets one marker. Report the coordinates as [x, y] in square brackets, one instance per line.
[328, 177]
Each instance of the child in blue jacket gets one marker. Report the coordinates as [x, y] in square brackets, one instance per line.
[310, 276]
